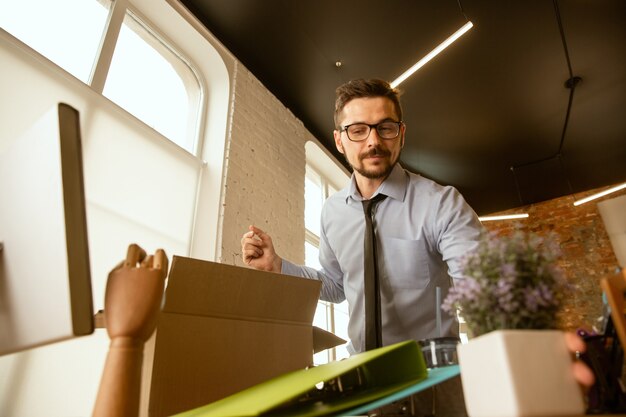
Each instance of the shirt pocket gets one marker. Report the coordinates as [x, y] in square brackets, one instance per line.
[405, 262]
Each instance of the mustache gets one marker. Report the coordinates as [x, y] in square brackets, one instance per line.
[375, 151]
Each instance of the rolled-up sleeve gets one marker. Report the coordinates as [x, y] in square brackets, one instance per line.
[330, 290]
[330, 275]
[459, 230]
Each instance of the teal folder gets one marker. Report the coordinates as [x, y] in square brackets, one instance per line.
[347, 387]
[435, 376]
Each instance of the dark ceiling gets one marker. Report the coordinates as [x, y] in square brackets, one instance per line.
[489, 115]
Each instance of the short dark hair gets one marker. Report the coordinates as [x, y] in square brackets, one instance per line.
[361, 88]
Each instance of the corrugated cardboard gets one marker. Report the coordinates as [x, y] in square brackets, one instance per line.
[226, 328]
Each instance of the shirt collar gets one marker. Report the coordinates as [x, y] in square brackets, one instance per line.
[395, 186]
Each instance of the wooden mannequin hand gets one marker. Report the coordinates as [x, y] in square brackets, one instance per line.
[133, 294]
[131, 307]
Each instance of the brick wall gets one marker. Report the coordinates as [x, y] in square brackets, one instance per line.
[587, 251]
[265, 170]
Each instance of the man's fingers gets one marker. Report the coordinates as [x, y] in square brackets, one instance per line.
[251, 245]
[246, 237]
[258, 232]
[247, 242]
[574, 342]
[251, 251]
[583, 374]
[134, 255]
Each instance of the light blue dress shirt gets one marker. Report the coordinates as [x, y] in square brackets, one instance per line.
[423, 230]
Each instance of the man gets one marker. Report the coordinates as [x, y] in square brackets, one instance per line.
[422, 228]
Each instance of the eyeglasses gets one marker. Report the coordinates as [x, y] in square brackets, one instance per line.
[358, 132]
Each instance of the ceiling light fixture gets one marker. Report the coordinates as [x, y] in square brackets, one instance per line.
[432, 54]
[503, 217]
[600, 194]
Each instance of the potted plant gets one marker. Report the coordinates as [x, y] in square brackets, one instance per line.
[516, 363]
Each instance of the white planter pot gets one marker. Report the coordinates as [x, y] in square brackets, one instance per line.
[519, 373]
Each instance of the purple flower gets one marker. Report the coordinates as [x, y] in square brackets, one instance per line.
[532, 298]
[508, 269]
[511, 282]
[467, 289]
[504, 292]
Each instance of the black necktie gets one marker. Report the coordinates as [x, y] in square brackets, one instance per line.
[373, 325]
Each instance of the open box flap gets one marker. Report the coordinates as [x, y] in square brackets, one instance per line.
[219, 290]
[323, 340]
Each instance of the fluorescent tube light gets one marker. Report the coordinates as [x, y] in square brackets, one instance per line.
[432, 54]
[503, 217]
[600, 194]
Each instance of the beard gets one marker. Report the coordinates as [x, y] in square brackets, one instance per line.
[379, 172]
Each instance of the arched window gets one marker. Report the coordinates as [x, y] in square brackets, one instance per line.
[323, 178]
[109, 45]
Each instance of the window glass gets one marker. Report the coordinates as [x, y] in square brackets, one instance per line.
[311, 255]
[53, 29]
[314, 199]
[341, 328]
[323, 320]
[328, 316]
[145, 79]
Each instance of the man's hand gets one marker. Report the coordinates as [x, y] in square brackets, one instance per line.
[581, 371]
[257, 251]
[133, 294]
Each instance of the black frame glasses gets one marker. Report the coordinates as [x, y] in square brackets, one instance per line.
[386, 130]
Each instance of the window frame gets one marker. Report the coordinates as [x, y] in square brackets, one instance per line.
[190, 124]
[119, 11]
[324, 171]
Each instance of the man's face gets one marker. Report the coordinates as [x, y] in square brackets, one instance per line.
[374, 157]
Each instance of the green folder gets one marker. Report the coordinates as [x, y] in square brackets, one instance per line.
[361, 382]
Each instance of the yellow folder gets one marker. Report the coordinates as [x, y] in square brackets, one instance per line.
[361, 382]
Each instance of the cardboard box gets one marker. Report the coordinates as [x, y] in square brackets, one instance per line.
[225, 328]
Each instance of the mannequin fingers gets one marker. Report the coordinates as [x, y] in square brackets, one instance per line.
[134, 255]
[147, 261]
[160, 261]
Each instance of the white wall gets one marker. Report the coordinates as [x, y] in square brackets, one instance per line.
[128, 168]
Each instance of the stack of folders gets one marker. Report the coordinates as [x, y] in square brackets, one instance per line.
[347, 387]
